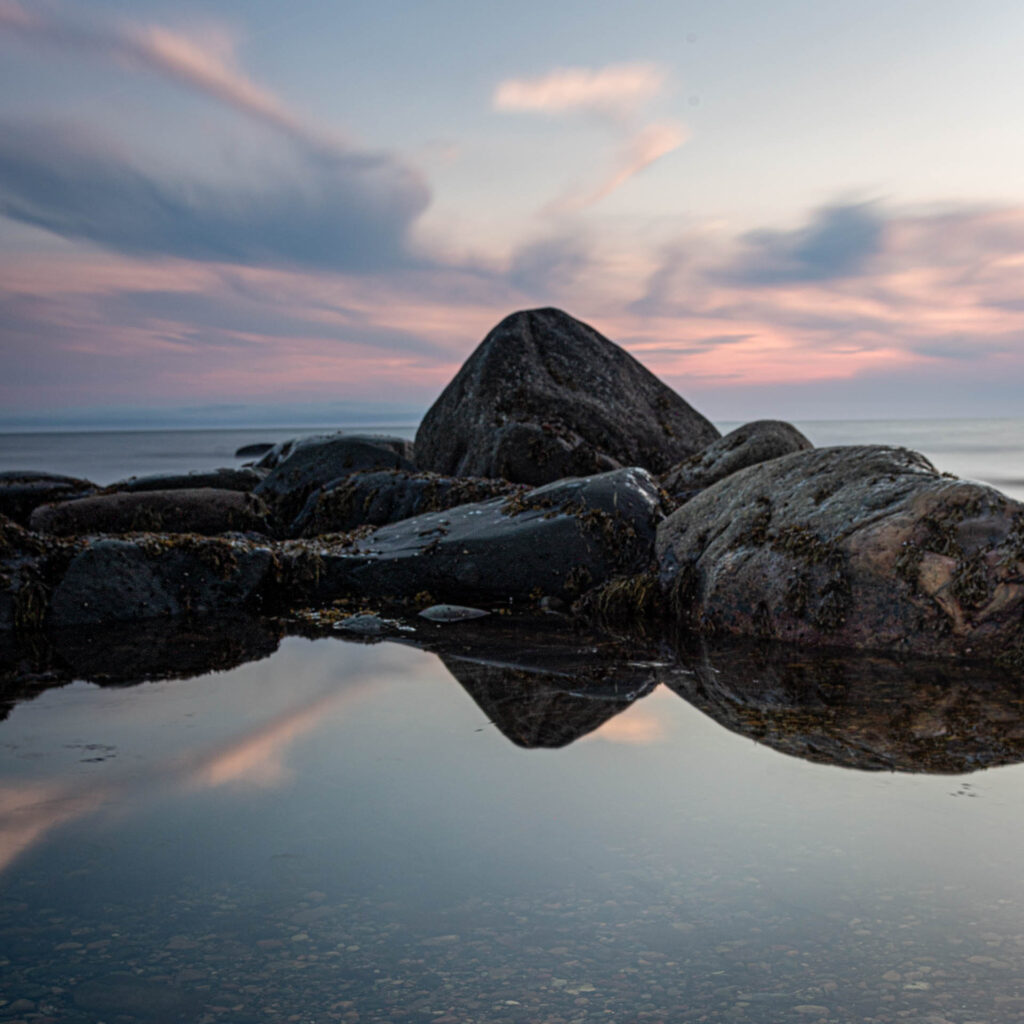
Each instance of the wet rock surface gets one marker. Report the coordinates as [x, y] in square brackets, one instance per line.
[545, 396]
[557, 540]
[204, 510]
[748, 445]
[230, 479]
[297, 468]
[21, 491]
[387, 496]
[865, 547]
[122, 579]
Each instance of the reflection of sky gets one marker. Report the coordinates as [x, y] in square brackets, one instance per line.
[372, 765]
[791, 209]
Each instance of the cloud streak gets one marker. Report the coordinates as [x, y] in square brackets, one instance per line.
[617, 94]
[617, 91]
[207, 66]
[347, 212]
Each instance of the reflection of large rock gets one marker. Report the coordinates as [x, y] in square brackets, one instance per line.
[556, 540]
[23, 490]
[541, 686]
[297, 468]
[545, 396]
[204, 510]
[860, 711]
[863, 547]
[387, 496]
[748, 445]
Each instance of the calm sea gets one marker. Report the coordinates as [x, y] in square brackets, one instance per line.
[344, 832]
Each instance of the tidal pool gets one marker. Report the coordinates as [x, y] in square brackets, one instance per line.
[342, 831]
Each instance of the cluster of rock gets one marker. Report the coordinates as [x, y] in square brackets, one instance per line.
[554, 469]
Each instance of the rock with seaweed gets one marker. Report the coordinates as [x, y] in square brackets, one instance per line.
[26, 574]
[298, 468]
[119, 579]
[250, 451]
[545, 396]
[748, 445]
[865, 711]
[244, 478]
[378, 497]
[21, 491]
[556, 540]
[204, 510]
[865, 546]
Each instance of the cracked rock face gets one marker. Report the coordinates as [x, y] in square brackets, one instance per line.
[545, 396]
[864, 546]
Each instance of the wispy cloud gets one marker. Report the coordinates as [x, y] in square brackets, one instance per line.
[206, 64]
[618, 91]
[342, 207]
[618, 95]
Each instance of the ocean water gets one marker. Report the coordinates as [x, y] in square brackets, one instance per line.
[988, 450]
[239, 826]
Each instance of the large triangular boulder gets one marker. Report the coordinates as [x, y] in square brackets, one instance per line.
[545, 396]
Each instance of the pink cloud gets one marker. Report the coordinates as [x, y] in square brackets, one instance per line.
[618, 90]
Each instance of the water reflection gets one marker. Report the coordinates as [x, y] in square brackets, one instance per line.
[336, 833]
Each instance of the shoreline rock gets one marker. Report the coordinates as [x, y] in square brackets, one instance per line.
[545, 396]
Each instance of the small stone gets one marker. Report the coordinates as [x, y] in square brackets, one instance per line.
[451, 613]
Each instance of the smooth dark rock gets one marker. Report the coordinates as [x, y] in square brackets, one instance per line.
[748, 445]
[250, 450]
[451, 613]
[312, 462]
[21, 491]
[545, 396]
[388, 496]
[205, 511]
[865, 547]
[868, 712]
[243, 479]
[556, 540]
[146, 577]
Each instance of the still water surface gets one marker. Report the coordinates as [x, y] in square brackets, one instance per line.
[343, 832]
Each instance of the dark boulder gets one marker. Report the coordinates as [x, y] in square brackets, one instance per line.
[248, 451]
[243, 479]
[748, 445]
[387, 496]
[21, 491]
[556, 540]
[545, 396]
[300, 467]
[864, 547]
[205, 511]
[116, 580]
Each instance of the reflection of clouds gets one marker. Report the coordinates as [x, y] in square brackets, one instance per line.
[633, 727]
[259, 759]
[30, 810]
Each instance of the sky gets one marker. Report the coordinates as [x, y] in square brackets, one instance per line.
[230, 213]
